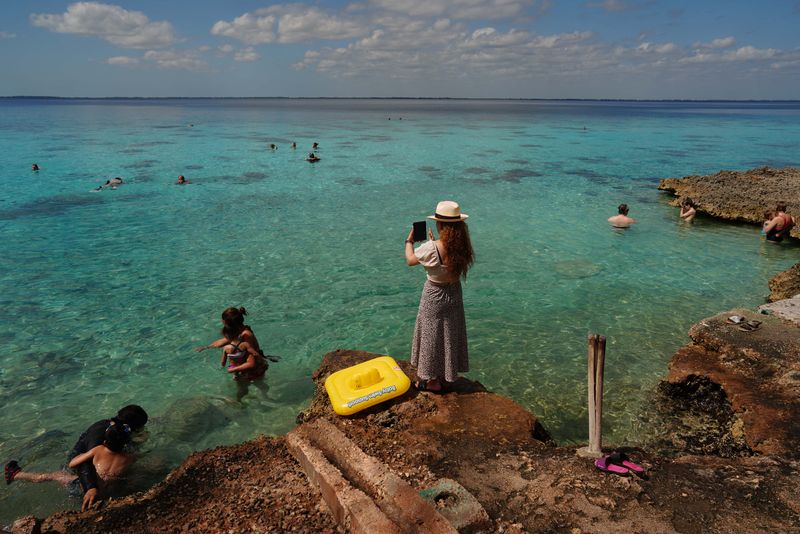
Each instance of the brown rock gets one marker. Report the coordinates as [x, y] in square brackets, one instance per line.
[739, 195]
[785, 285]
[758, 371]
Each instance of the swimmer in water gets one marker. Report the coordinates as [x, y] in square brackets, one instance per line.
[34, 167]
[779, 225]
[112, 183]
[312, 157]
[621, 220]
[273, 146]
[182, 180]
[294, 145]
[108, 458]
[688, 210]
[315, 145]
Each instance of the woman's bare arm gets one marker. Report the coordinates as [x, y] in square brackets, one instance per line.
[88, 455]
[213, 345]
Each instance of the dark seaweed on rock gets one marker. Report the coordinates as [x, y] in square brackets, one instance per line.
[515, 175]
[587, 173]
[50, 206]
[143, 164]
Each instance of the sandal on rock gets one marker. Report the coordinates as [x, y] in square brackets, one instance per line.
[749, 326]
[422, 385]
[604, 465]
[621, 459]
[12, 468]
[735, 319]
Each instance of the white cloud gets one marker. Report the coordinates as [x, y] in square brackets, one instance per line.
[611, 5]
[246, 54]
[123, 60]
[248, 28]
[127, 29]
[7, 35]
[172, 59]
[723, 42]
[747, 53]
[652, 48]
[457, 9]
[292, 23]
[226, 48]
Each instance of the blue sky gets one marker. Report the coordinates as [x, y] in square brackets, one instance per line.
[457, 48]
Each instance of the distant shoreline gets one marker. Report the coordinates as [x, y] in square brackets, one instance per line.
[479, 99]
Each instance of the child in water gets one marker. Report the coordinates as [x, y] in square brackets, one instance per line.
[109, 459]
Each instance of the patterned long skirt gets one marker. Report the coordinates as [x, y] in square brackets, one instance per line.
[439, 349]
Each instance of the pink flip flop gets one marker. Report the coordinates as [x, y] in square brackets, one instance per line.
[621, 459]
[603, 464]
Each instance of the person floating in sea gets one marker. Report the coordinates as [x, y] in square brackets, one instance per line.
[294, 145]
[688, 210]
[34, 167]
[133, 416]
[315, 146]
[439, 347]
[273, 146]
[112, 183]
[621, 220]
[779, 226]
[109, 460]
[240, 348]
[182, 180]
[312, 158]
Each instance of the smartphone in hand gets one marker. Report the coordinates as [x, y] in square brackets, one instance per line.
[420, 231]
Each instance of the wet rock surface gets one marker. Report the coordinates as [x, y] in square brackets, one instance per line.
[487, 444]
[739, 195]
[786, 284]
[759, 373]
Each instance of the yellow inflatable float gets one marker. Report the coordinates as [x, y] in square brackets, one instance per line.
[366, 384]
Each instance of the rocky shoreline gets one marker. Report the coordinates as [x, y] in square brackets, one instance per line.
[741, 196]
[726, 456]
[503, 457]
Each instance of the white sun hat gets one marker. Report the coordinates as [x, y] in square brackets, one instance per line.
[448, 211]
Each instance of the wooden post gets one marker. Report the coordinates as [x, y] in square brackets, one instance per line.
[596, 356]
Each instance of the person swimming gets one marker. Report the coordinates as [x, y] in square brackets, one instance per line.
[34, 167]
[621, 220]
[182, 180]
[273, 146]
[688, 210]
[294, 145]
[312, 158]
[110, 460]
[112, 183]
[315, 146]
[779, 225]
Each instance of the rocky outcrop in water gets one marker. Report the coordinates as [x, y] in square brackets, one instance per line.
[739, 195]
[758, 372]
[785, 285]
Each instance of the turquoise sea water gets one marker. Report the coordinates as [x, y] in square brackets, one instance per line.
[103, 295]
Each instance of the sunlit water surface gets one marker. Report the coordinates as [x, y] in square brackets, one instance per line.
[103, 295]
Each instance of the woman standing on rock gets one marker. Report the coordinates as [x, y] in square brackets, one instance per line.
[439, 349]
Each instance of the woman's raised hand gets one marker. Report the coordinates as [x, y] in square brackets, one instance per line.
[430, 234]
[411, 235]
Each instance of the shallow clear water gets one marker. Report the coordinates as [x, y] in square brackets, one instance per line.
[105, 294]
